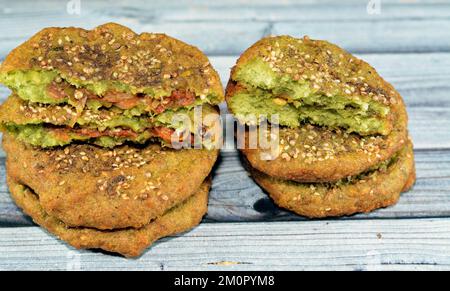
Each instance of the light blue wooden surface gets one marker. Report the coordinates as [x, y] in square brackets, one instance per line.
[421, 244]
[408, 43]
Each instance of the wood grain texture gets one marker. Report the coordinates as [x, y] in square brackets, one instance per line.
[399, 27]
[386, 36]
[340, 245]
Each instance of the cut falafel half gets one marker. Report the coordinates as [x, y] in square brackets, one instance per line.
[53, 125]
[109, 68]
[377, 188]
[310, 81]
[127, 242]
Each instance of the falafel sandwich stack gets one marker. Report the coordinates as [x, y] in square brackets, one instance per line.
[342, 145]
[89, 130]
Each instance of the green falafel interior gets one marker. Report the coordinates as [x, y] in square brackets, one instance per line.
[42, 86]
[58, 125]
[302, 80]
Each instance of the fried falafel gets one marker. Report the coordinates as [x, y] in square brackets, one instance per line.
[377, 188]
[304, 80]
[123, 187]
[89, 134]
[86, 73]
[128, 242]
[311, 153]
[336, 100]
[337, 140]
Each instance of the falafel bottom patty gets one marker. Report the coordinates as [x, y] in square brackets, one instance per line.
[125, 187]
[127, 242]
[366, 192]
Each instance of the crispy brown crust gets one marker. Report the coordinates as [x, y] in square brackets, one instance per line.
[112, 52]
[128, 242]
[376, 190]
[84, 185]
[411, 179]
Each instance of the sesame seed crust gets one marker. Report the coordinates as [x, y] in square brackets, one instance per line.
[18, 111]
[123, 187]
[329, 69]
[114, 53]
[127, 242]
[317, 154]
[377, 189]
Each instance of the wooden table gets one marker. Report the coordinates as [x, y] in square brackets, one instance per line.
[408, 42]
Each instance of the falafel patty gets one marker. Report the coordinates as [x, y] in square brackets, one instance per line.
[107, 69]
[368, 191]
[312, 81]
[128, 242]
[311, 153]
[126, 187]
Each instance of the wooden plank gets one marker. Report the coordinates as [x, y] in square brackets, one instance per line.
[294, 12]
[376, 37]
[235, 197]
[30, 7]
[229, 29]
[318, 245]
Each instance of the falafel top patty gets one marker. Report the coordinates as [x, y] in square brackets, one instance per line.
[304, 80]
[110, 63]
[110, 82]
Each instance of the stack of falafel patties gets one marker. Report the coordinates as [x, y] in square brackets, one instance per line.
[342, 145]
[88, 132]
